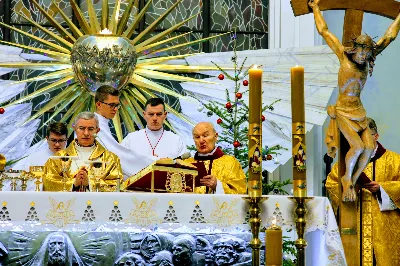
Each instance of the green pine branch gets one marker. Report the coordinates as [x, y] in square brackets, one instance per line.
[11, 162]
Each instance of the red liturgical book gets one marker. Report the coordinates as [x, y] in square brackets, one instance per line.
[165, 175]
[201, 169]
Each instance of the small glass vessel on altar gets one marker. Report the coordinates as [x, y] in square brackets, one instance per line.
[13, 176]
[37, 172]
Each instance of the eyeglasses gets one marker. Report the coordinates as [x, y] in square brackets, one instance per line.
[90, 129]
[112, 105]
[55, 141]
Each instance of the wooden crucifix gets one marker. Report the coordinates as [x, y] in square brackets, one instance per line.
[349, 129]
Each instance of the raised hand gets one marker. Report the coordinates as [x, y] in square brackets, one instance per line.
[81, 178]
[313, 3]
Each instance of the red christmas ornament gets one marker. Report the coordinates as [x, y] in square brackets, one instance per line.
[221, 76]
[219, 121]
[269, 157]
[2, 110]
[236, 144]
[228, 105]
[245, 82]
[239, 95]
[262, 118]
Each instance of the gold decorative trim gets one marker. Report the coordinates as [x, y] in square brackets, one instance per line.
[144, 212]
[175, 182]
[61, 213]
[367, 230]
[299, 128]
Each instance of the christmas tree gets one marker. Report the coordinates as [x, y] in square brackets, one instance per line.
[88, 215]
[233, 117]
[115, 215]
[197, 215]
[32, 214]
[170, 216]
[4, 214]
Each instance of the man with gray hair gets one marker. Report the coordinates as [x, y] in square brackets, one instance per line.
[83, 150]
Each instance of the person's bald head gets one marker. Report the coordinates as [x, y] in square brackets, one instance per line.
[203, 125]
[205, 137]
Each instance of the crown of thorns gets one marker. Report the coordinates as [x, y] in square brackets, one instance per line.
[363, 45]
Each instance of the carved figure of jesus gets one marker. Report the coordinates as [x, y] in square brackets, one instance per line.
[348, 114]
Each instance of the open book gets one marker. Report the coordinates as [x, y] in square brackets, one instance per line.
[176, 163]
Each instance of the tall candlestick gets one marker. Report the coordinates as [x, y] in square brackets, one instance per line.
[255, 152]
[298, 132]
[273, 245]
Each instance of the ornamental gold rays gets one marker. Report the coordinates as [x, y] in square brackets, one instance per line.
[100, 51]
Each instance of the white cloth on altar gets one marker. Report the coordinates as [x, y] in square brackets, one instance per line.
[131, 161]
[170, 145]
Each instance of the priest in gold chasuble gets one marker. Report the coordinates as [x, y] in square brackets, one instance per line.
[84, 150]
[379, 214]
[224, 174]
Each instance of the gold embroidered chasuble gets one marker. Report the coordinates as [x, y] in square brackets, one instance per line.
[228, 170]
[380, 229]
[53, 180]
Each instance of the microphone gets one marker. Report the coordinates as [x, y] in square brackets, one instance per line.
[184, 156]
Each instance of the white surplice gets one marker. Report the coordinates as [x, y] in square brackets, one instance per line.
[37, 158]
[131, 161]
[155, 144]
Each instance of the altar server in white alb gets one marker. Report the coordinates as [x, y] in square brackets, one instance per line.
[107, 105]
[56, 140]
[154, 141]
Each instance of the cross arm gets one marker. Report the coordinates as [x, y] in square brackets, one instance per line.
[386, 8]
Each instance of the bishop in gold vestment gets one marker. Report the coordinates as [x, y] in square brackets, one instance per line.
[85, 149]
[380, 212]
[224, 172]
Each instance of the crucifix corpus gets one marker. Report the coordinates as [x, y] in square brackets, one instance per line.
[348, 130]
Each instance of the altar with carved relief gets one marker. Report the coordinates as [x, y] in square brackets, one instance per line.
[102, 228]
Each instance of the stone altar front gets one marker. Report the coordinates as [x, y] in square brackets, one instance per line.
[149, 228]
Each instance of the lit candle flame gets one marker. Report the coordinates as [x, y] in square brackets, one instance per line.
[274, 221]
[105, 31]
[256, 66]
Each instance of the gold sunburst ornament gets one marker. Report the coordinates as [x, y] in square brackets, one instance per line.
[103, 52]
